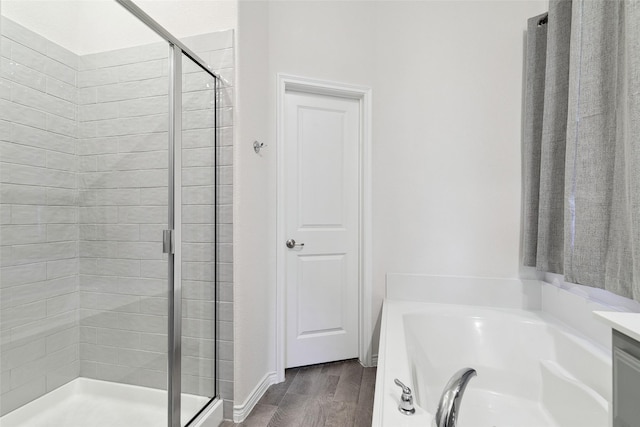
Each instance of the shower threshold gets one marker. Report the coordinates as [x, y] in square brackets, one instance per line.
[85, 402]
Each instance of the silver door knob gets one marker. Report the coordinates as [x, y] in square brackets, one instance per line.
[291, 243]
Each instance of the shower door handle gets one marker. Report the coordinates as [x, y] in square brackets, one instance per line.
[291, 243]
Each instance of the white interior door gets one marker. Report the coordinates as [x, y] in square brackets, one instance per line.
[321, 143]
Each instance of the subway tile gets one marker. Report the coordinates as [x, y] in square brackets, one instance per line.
[151, 232]
[142, 323]
[198, 252]
[60, 71]
[132, 125]
[110, 197]
[20, 114]
[198, 157]
[116, 373]
[199, 100]
[97, 77]
[45, 327]
[199, 366]
[62, 232]
[201, 214]
[5, 382]
[153, 269]
[122, 232]
[62, 161]
[92, 146]
[226, 292]
[20, 355]
[39, 100]
[132, 90]
[210, 41]
[144, 106]
[62, 55]
[37, 291]
[62, 304]
[198, 271]
[198, 309]
[87, 164]
[134, 161]
[19, 73]
[142, 359]
[22, 35]
[98, 215]
[61, 89]
[140, 70]
[153, 342]
[5, 47]
[118, 338]
[98, 353]
[62, 126]
[198, 119]
[128, 55]
[21, 274]
[198, 347]
[142, 215]
[61, 376]
[118, 267]
[97, 319]
[62, 268]
[28, 57]
[143, 142]
[88, 369]
[87, 95]
[197, 328]
[62, 196]
[22, 154]
[5, 214]
[28, 175]
[110, 302]
[140, 250]
[39, 252]
[104, 111]
[154, 196]
[152, 379]
[31, 214]
[156, 306]
[196, 138]
[22, 395]
[22, 314]
[200, 233]
[193, 289]
[88, 335]
[98, 249]
[62, 339]
[40, 138]
[5, 90]
[22, 234]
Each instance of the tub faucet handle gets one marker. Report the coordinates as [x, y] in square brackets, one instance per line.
[406, 400]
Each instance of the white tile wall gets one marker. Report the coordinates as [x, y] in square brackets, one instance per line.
[83, 203]
[39, 235]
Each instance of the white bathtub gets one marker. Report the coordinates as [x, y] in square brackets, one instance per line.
[533, 371]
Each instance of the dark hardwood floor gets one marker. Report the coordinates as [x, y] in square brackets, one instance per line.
[337, 394]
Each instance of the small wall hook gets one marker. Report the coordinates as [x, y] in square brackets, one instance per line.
[257, 146]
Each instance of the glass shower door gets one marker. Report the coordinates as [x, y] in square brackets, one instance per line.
[198, 237]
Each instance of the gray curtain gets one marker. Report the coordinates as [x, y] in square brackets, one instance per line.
[550, 248]
[602, 180]
[532, 144]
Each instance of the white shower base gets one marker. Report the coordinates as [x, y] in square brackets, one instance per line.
[86, 402]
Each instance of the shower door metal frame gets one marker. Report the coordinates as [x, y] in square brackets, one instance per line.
[172, 237]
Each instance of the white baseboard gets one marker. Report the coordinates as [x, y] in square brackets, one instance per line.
[240, 412]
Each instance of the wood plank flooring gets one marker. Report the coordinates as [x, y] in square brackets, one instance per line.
[337, 394]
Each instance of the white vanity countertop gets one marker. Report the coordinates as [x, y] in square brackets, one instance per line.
[627, 323]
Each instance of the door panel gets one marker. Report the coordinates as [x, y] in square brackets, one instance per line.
[321, 190]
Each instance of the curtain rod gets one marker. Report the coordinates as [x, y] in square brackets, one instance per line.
[543, 21]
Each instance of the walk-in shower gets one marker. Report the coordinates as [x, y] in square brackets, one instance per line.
[110, 210]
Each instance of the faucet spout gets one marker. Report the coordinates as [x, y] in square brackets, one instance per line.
[449, 406]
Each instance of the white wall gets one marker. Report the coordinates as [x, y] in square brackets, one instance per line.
[90, 26]
[447, 85]
[254, 221]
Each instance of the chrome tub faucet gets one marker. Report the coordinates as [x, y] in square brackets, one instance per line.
[449, 406]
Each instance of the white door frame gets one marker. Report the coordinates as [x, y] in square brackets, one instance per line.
[363, 96]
